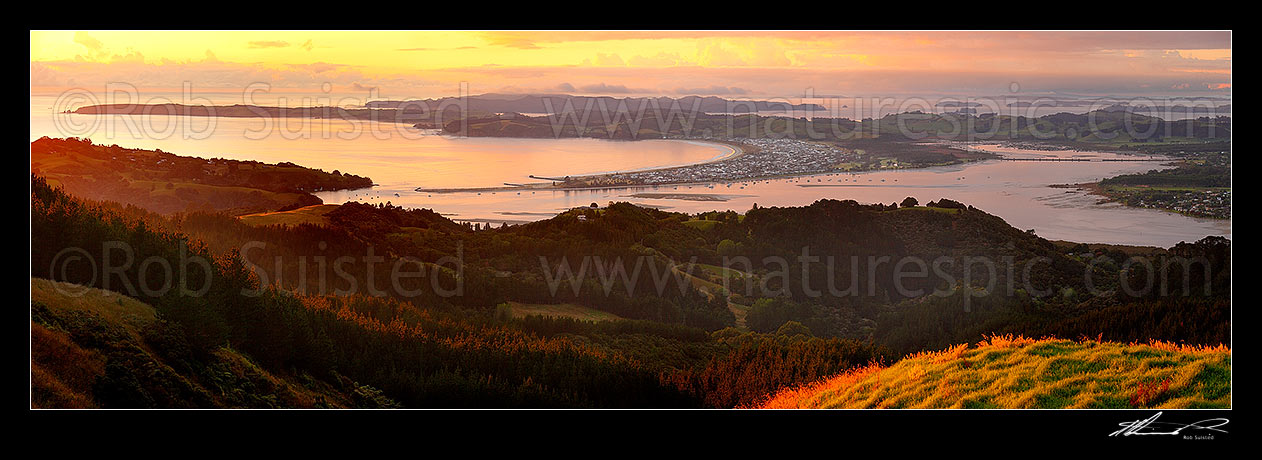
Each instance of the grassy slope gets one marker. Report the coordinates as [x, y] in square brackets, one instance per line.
[77, 173]
[1006, 372]
[305, 215]
[76, 332]
[563, 310]
[167, 183]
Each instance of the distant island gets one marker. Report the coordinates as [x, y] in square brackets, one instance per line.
[435, 113]
[554, 103]
[563, 116]
[1110, 128]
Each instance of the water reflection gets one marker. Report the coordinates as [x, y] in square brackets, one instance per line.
[1015, 191]
[1018, 192]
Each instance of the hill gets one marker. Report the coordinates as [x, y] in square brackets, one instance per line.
[552, 103]
[1097, 129]
[313, 214]
[431, 113]
[1014, 372]
[166, 183]
[672, 347]
[96, 348]
[606, 117]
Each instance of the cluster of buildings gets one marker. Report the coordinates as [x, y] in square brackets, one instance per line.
[761, 158]
[1202, 203]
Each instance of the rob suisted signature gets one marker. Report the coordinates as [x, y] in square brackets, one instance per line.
[1150, 427]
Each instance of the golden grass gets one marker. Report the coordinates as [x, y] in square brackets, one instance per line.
[111, 306]
[305, 215]
[64, 370]
[1018, 372]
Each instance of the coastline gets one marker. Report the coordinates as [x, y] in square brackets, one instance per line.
[735, 151]
[1099, 190]
[561, 187]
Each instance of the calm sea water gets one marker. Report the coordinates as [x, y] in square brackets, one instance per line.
[395, 156]
[400, 158]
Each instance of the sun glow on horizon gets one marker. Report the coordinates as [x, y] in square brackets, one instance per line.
[724, 63]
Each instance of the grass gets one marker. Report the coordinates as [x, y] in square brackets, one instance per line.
[77, 333]
[166, 183]
[305, 215]
[711, 288]
[562, 310]
[1016, 372]
[114, 308]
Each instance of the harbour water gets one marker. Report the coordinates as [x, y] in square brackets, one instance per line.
[400, 158]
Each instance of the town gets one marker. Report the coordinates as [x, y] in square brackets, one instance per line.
[757, 158]
[1211, 203]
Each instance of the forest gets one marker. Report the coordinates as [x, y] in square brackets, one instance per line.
[696, 329]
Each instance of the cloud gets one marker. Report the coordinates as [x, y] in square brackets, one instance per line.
[715, 54]
[137, 58]
[533, 40]
[602, 88]
[437, 49]
[86, 40]
[42, 75]
[358, 87]
[719, 63]
[268, 44]
[209, 72]
[511, 40]
[713, 90]
[611, 59]
[745, 52]
[662, 59]
[317, 67]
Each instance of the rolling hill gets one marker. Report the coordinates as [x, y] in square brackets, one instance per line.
[166, 183]
[295, 345]
[1019, 373]
[95, 348]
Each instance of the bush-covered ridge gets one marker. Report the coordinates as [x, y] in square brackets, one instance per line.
[429, 351]
[166, 183]
[95, 348]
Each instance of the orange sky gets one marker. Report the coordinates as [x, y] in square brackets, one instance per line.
[733, 64]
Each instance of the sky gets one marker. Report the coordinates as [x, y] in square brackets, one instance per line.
[731, 64]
